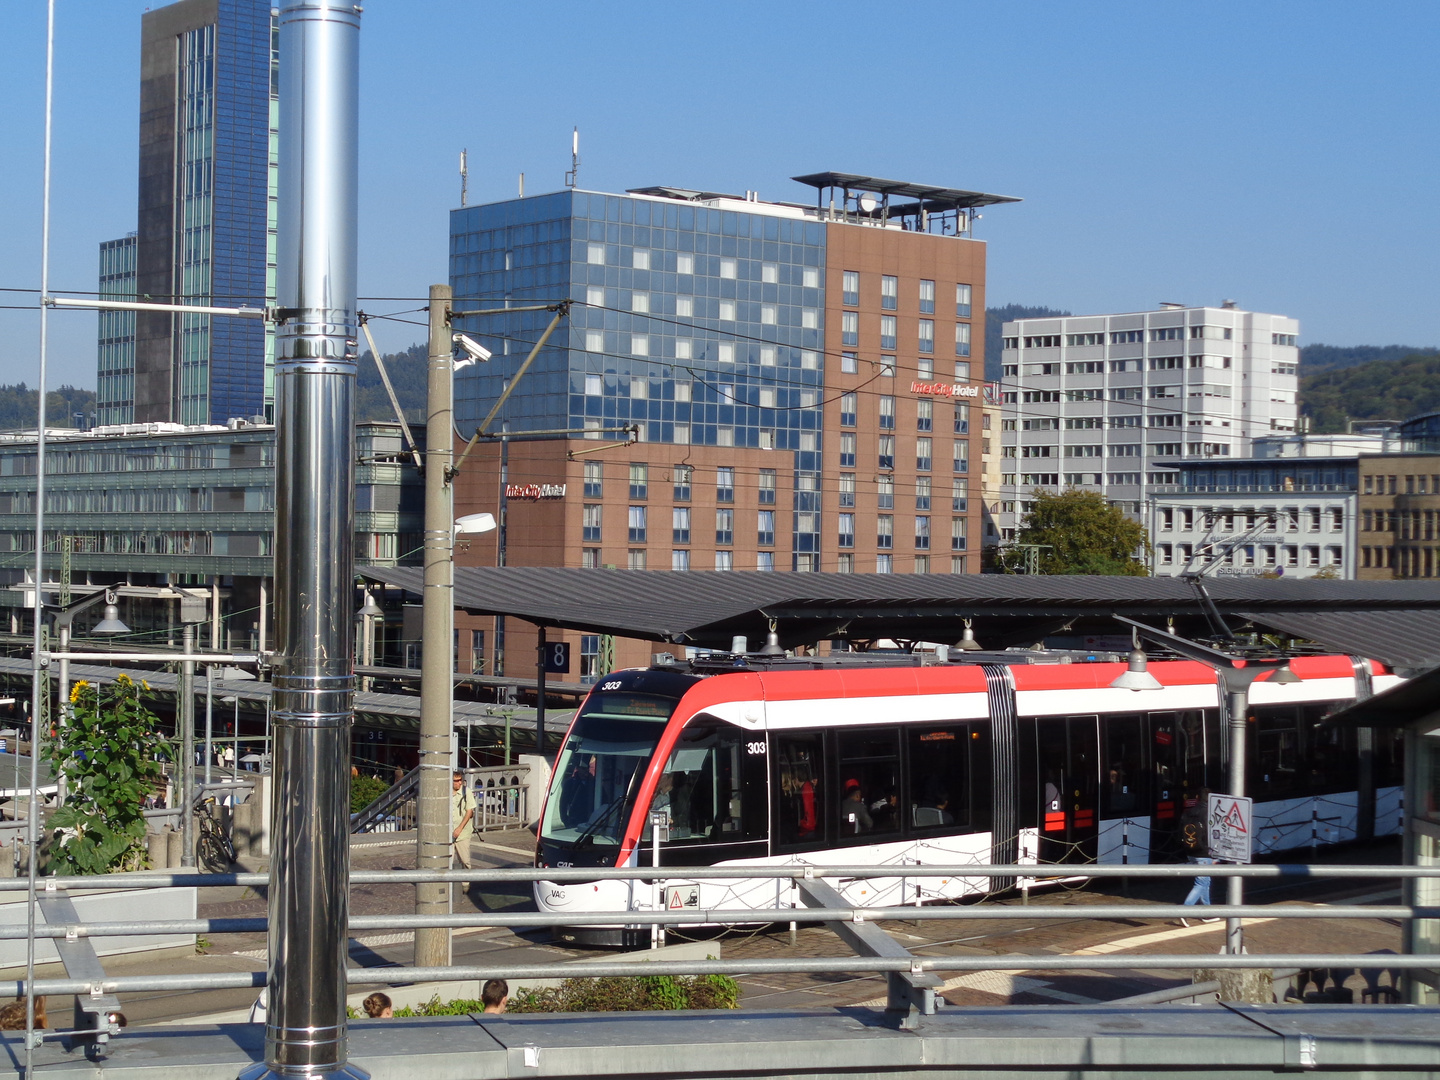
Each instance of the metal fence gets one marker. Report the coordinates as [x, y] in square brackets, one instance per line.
[836, 915]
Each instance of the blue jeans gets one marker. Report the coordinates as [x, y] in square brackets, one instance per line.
[1200, 891]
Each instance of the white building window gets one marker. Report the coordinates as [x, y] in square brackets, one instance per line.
[595, 254]
[769, 314]
[594, 385]
[684, 263]
[594, 341]
[639, 344]
[728, 268]
[640, 302]
[727, 310]
[595, 295]
[685, 307]
[640, 259]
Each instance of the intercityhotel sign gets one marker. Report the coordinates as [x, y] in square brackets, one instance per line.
[534, 492]
[944, 389]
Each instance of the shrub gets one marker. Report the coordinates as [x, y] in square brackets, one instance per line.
[643, 993]
[364, 790]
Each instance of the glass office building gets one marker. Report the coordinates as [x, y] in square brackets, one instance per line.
[208, 149]
[115, 360]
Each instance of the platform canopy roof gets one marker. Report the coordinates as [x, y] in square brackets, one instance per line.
[708, 609]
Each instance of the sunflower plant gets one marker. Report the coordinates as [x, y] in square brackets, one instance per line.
[110, 753]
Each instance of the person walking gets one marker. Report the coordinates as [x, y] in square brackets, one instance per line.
[462, 813]
[1195, 839]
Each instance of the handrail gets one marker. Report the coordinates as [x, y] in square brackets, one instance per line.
[403, 790]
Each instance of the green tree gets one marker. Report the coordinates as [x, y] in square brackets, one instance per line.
[110, 754]
[1084, 533]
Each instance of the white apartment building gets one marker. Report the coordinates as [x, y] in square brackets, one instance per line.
[1110, 403]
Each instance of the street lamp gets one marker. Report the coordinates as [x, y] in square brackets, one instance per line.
[1137, 674]
[1235, 681]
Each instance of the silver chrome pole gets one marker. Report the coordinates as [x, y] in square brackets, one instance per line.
[314, 681]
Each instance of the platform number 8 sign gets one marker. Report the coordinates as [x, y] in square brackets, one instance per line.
[557, 657]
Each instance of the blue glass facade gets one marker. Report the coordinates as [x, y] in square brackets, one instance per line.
[702, 326]
[115, 354]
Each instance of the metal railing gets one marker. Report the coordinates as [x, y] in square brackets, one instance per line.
[836, 916]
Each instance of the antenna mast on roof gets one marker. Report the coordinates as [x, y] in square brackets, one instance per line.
[464, 177]
[573, 176]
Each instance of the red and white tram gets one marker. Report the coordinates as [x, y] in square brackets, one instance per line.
[899, 762]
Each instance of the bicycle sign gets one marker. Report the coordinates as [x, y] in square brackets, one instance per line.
[1231, 822]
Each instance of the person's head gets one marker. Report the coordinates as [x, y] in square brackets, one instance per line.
[852, 788]
[378, 1005]
[457, 781]
[495, 994]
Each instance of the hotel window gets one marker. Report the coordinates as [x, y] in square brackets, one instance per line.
[850, 288]
[765, 528]
[637, 525]
[845, 564]
[962, 343]
[726, 356]
[959, 494]
[850, 328]
[887, 332]
[889, 292]
[962, 370]
[847, 489]
[769, 314]
[639, 481]
[849, 365]
[884, 531]
[847, 410]
[724, 560]
[765, 561]
[885, 492]
[887, 452]
[728, 268]
[887, 367]
[595, 254]
[809, 318]
[682, 434]
[962, 419]
[635, 560]
[639, 388]
[887, 412]
[594, 479]
[957, 534]
[639, 344]
[727, 310]
[809, 360]
[922, 533]
[924, 415]
[683, 476]
[640, 302]
[847, 449]
[927, 297]
[769, 273]
[595, 295]
[725, 484]
[923, 454]
[961, 460]
[594, 341]
[962, 302]
[640, 259]
[927, 336]
[685, 307]
[679, 559]
[590, 523]
[594, 385]
[884, 564]
[810, 277]
[925, 367]
[767, 397]
[847, 531]
[767, 487]
[922, 493]
[767, 355]
[590, 558]
[680, 525]
[684, 263]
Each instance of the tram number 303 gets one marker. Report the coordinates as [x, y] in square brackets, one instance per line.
[755, 748]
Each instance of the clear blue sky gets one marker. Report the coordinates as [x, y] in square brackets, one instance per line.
[1282, 154]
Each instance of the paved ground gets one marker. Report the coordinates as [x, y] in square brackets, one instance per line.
[959, 936]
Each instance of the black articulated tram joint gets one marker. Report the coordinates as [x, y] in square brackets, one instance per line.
[1004, 763]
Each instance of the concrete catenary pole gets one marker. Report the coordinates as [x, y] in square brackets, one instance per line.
[185, 716]
[314, 680]
[437, 687]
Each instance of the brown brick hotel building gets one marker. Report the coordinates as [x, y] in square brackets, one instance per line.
[804, 381]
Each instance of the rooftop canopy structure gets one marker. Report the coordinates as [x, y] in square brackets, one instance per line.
[871, 197]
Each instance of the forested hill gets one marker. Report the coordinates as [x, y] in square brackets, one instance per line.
[995, 318]
[1378, 390]
[408, 373]
[1317, 358]
[18, 405]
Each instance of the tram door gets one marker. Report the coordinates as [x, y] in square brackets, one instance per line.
[1068, 756]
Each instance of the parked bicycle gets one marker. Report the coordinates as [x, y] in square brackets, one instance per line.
[212, 845]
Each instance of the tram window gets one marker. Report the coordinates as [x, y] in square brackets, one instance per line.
[1276, 761]
[705, 790]
[939, 789]
[1332, 754]
[1123, 780]
[1389, 757]
[801, 790]
[868, 803]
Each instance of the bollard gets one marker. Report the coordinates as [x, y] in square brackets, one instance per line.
[156, 848]
[242, 831]
[174, 848]
[1255, 986]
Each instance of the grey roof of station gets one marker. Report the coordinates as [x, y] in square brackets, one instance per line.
[1407, 638]
[708, 608]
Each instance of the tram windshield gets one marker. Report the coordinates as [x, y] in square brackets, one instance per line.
[598, 775]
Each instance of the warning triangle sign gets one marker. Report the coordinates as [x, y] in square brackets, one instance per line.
[676, 902]
[1234, 819]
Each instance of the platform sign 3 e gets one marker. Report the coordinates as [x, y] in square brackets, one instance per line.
[1232, 824]
[682, 898]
